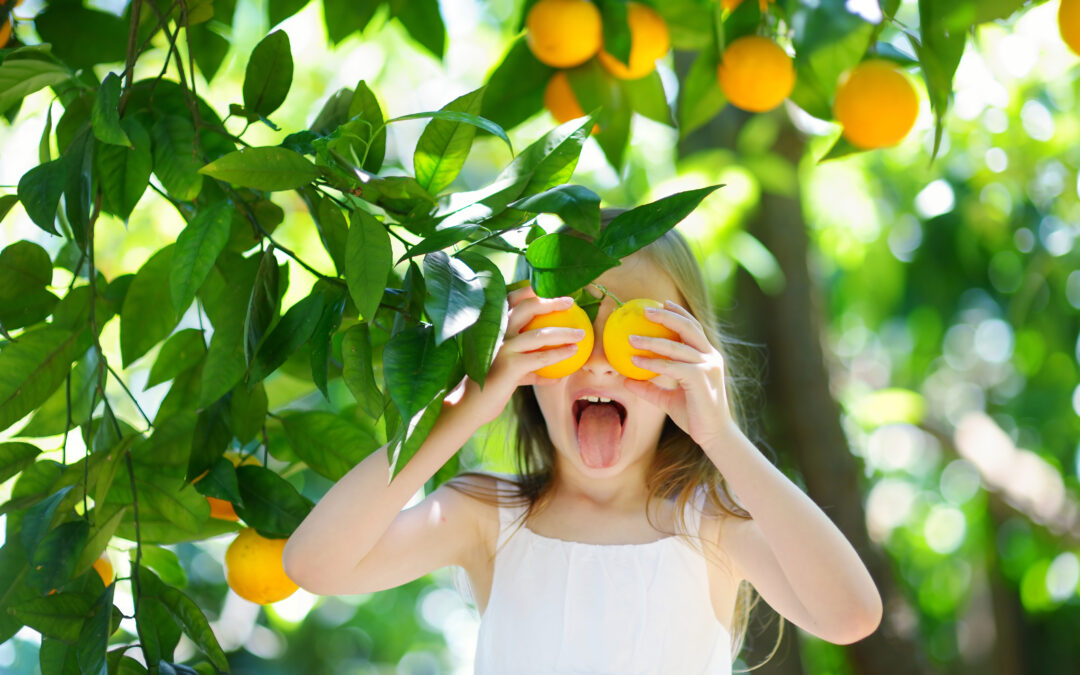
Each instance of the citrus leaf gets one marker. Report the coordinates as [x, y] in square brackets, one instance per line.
[640, 226]
[58, 657]
[94, 636]
[82, 37]
[291, 332]
[479, 341]
[547, 162]
[515, 89]
[416, 368]
[366, 107]
[176, 162]
[52, 561]
[342, 18]
[125, 172]
[324, 331]
[247, 411]
[21, 77]
[454, 297]
[270, 503]
[411, 436]
[39, 191]
[105, 115]
[265, 168]
[182, 351]
[279, 10]
[14, 457]
[578, 206]
[211, 438]
[269, 74]
[356, 354]
[368, 261]
[165, 563]
[444, 144]
[146, 317]
[197, 247]
[8, 202]
[59, 615]
[33, 367]
[327, 443]
[423, 22]
[562, 263]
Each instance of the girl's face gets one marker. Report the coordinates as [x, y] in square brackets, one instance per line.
[601, 440]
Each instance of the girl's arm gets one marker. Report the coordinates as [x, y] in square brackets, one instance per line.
[794, 556]
[358, 540]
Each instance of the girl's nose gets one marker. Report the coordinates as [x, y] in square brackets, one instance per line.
[597, 364]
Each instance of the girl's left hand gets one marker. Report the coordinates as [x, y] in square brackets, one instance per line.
[698, 404]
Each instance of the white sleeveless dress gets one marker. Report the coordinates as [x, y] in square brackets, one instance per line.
[563, 607]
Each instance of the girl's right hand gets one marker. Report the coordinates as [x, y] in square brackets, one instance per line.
[518, 357]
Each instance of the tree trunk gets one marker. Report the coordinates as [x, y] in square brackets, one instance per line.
[806, 418]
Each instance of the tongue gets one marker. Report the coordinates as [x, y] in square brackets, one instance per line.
[598, 434]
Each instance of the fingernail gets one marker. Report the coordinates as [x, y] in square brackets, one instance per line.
[652, 310]
[635, 338]
[579, 332]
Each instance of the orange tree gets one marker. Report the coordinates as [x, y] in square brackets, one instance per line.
[413, 305]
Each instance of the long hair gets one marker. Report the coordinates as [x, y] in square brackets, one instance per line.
[680, 469]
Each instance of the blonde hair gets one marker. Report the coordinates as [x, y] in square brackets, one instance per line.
[680, 469]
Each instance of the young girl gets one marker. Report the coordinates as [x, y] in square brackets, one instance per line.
[618, 547]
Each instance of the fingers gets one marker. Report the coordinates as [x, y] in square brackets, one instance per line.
[539, 338]
[682, 322]
[529, 307]
[676, 351]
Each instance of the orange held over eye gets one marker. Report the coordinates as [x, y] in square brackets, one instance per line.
[649, 41]
[564, 33]
[755, 74]
[1069, 23]
[254, 569]
[876, 104]
[575, 317]
[629, 319]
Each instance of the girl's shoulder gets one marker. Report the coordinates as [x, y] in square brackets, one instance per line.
[490, 493]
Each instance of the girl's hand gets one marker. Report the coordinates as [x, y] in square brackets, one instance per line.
[698, 404]
[517, 359]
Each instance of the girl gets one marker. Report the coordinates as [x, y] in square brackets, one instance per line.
[618, 547]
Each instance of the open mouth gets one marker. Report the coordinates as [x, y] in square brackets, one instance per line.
[581, 403]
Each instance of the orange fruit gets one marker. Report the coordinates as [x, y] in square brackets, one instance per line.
[629, 319]
[574, 317]
[755, 74]
[730, 5]
[1069, 23]
[104, 567]
[876, 104]
[254, 570]
[220, 508]
[649, 41]
[564, 33]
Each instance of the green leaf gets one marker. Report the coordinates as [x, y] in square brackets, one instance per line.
[125, 173]
[211, 438]
[182, 351]
[38, 520]
[176, 160]
[515, 89]
[21, 77]
[578, 206]
[416, 368]
[59, 616]
[828, 41]
[264, 168]
[14, 457]
[411, 436]
[279, 10]
[342, 18]
[333, 229]
[247, 411]
[147, 316]
[700, 98]
[939, 53]
[334, 112]
[101, 532]
[647, 97]
[454, 297]
[264, 305]
[57, 657]
[368, 260]
[549, 161]
[617, 37]
[165, 563]
[105, 116]
[52, 561]
[82, 37]
[269, 74]
[33, 367]
[94, 636]
[329, 321]
[225, 362]
[328, 444]
[8, 202]
[366, 106]
[444, 145]
[423, 22]
[270, 503]
[356, 355]
[220, 481]
[157, 629]
[187, 615]
[597, 91]
[291, 332]
[480, 340]
[209, 49]
[39, 191]
[561, 264]
[78, 195]
[197, 247]
[638, 227]
[25, 272]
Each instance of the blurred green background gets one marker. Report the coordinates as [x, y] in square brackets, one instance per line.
[945, 294]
